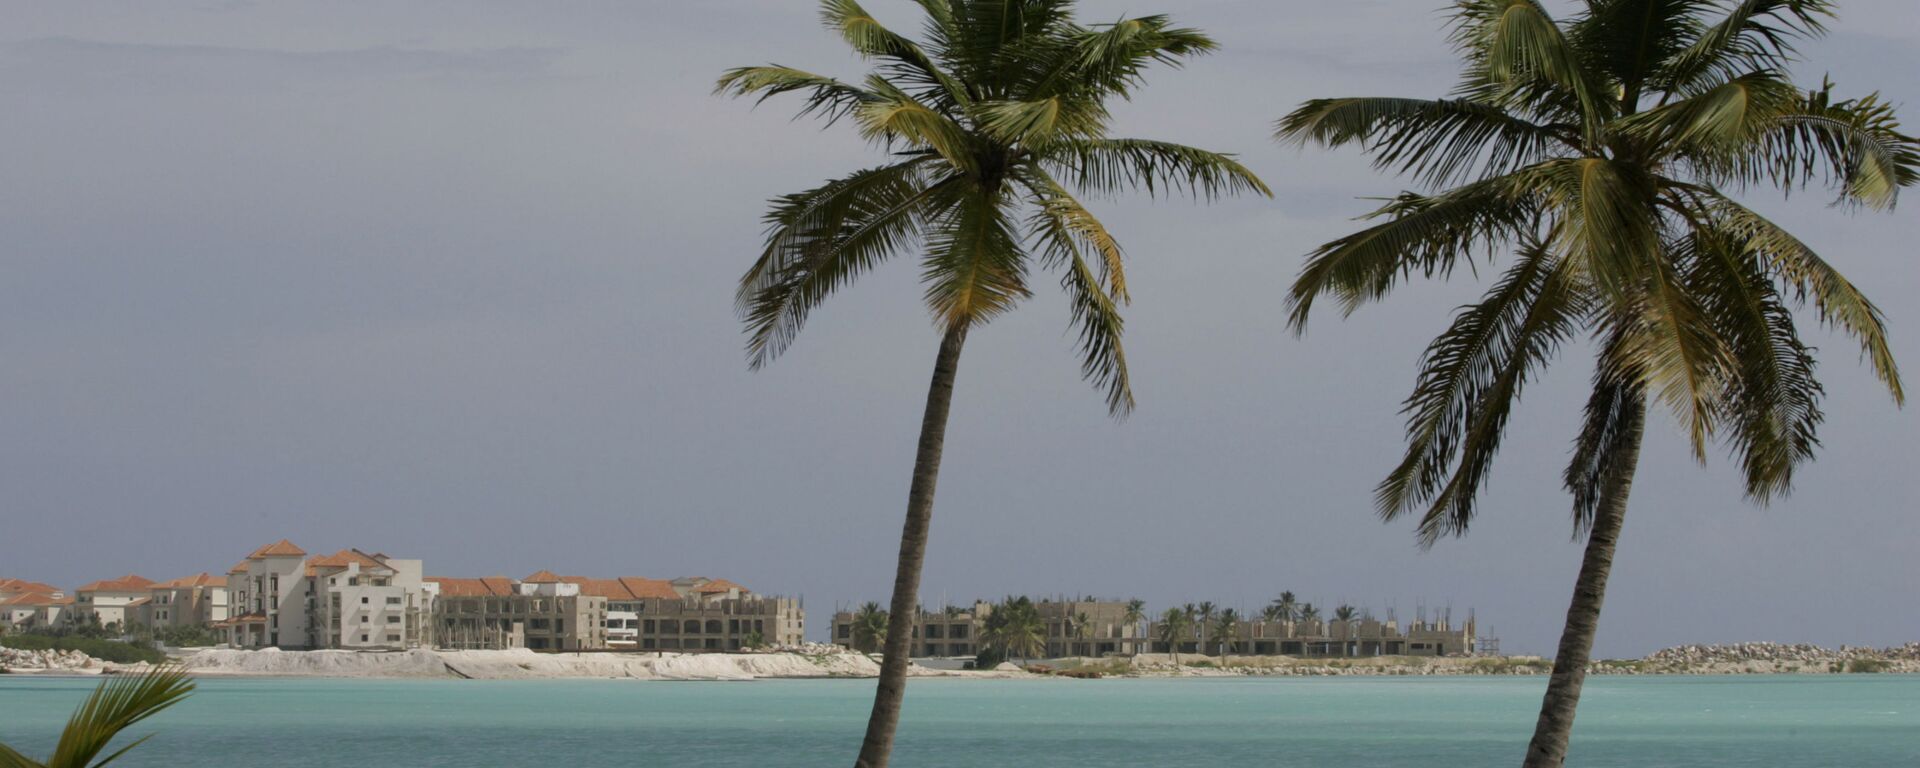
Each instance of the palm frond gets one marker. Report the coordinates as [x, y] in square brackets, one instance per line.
[1107, 166]
[1112, 59]
[1772, 404]
[118, 704]
[1679, 354]
[1427, 234]
[1616, 413]
[871, 39]
[821, 239]
[1606, 220]
[975, 268]
[1438, 141]
[1035, 124]
[1836, 299]
[1855, 144]
[1062, 226]
[897, 116]
[12, 759]
[826, 96]
[1753, 35]
[1516, 49]
[1470, 379]
[1719, 125]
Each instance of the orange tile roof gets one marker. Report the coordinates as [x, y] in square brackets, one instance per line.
[342, 559]
[35, 599]
[22, 585]
[491, 586]
[240, 567]
[139, 602]
[719, 585]
[281, 548]
[196, 580]
[624, 588]
[128, 583]
[542, 577]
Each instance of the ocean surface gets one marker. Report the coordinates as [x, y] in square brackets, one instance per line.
[1796, 722]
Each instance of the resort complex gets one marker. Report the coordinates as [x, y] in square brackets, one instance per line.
[280, 596]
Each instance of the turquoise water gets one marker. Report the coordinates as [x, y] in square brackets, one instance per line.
[1854, 720]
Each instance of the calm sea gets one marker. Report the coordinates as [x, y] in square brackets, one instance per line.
[1855, 720]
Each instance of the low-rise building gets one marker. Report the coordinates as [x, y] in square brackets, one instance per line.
[541, 612]
[1070, 628]
[114, 603]
[281, 598]
[21, 611]
[197, 600]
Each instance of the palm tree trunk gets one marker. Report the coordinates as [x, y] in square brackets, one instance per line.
[1551, 733]
[892, 691]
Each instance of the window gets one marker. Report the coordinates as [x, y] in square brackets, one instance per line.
[393, 619]
[393, 601]
[363, 619]
[363, 638]
[559, 625]
[363, 600]
[393, 638]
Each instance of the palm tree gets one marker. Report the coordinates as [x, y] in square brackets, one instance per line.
[1203, 618]
[1284, 606]
[1601, 152]
[1136, 610]
[991, 119]
[871, 628]
[116, 705]
[1015, 627]
[1173, 629]
[1345, 612]
[1083, 631]
[1224, 629]
[1308, 612]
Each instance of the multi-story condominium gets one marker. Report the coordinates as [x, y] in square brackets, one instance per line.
[1327, 639]
[198, 600]
[114, 602]
[21, 610]
[15, 587]
[349, 599]
[1071, 628]
[541, 612]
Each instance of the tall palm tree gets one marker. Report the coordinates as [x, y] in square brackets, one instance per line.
[1271, 613]
[1345, 612]
[117, 704]
[1203, 619]
[994, 119]
[1083, 631]
[1285, 606]
[1224, 629]
[1015, 627]
[1136, 610]
[870, 628]
[1602, 152]
[1308, 612]
[1173, 629]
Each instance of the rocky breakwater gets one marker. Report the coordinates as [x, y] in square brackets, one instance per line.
[15, 660]
[1768, 658]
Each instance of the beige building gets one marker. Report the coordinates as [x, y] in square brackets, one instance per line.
[541, 612]
[1071, 628]
[114, 602]
[1328, 639]
[198, 600]
[20, 611]
[281, 598]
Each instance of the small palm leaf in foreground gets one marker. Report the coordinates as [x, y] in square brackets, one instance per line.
[115, 706]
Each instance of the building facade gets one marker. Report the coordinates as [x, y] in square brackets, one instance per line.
[541, 612]
[281, 598]
[114, 602]
[1318, 639]
[1070, 628]
[198, 600]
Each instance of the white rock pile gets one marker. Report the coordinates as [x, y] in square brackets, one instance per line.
[19, 660]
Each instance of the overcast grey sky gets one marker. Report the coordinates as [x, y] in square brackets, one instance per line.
[452, 280]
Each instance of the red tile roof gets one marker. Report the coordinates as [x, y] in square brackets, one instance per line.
[718, 585]
[35, 599]
[624, 588]
[240, 567]
[22, 585]
[542, 577]
[281, 548]
[491, 586]
[128, 583]
[196, 580]
[342, 559]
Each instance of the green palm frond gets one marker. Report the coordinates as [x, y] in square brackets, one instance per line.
[119, 703]
[1676, 350]
[1772, 405]
[896, 116]
[826, 96]
[1835, 298]
[1753, 35]
[1062, 227]
[868, 37]
[1426, 234]
[1608, 223]
[1518, 51]
[1856, 144]
[1436, 141]
[1616, 414]
[1108, 166]
[1718, 124]
[974, 269]
[821, 239]
[1470, 379]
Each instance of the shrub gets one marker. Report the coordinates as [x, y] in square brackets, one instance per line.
[989, 658]
[1867, 666]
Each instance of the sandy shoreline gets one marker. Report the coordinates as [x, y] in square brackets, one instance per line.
[1758, 658]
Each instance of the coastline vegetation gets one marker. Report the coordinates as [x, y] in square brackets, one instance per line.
[99, 648]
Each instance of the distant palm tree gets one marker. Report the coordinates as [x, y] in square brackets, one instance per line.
[1083, 631]
[1203, 619]
[1015, 627]
[1345, 613]
[119, 703]
[1136, 610]
[870, 627]
[1309, 613]
[1270, 614]
[1601, 151]
[992, 121]
[1224, 629]
[1285, 606]
[1173, 629]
